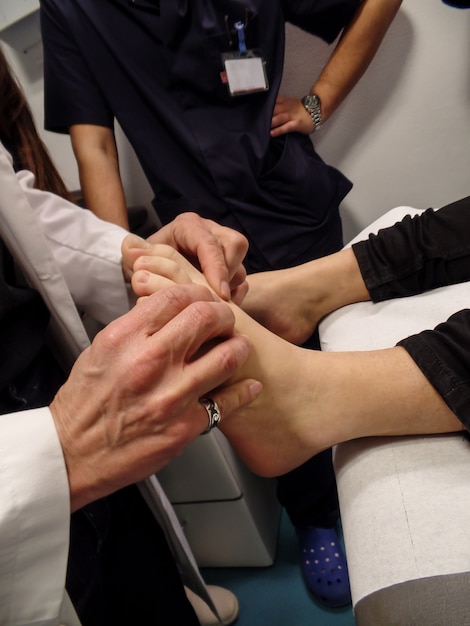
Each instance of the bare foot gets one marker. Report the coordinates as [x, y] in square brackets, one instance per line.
[276, 432]
[278, 301]
[293, 301]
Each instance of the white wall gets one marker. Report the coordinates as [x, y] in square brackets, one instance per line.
[402, 137]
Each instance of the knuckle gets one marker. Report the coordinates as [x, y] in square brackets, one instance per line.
[188, 216]
[230, 358]
[110, 338]
[177, 296]
[203, 316]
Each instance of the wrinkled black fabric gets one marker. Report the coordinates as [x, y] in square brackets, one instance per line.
[418, 253]
[443, 356]
[425, 252]
[121, 570]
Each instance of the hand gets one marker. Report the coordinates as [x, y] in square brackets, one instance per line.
[287, 302]
[218, 251]
[290, 116]
[263, 434]
[131, 401]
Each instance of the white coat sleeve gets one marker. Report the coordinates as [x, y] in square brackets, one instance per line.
[87, 251]
[34, 519]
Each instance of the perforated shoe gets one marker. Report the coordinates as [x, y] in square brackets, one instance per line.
[324, 566]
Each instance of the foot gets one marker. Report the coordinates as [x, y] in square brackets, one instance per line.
[292, 316]
[324, 566]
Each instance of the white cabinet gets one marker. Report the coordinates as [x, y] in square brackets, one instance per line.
[229, 515]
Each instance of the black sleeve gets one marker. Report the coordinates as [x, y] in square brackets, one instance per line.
[323, 18]
[419, 253]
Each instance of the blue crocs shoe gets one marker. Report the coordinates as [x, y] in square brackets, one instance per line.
[324, 565]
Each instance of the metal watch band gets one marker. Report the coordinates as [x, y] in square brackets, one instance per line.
[312, 105]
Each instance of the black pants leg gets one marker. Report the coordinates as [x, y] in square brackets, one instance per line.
[121, 570]
[308, 493]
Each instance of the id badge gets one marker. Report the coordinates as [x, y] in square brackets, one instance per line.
[245, 73]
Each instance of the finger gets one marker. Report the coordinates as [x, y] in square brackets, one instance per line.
[280, 130]
[200, 329]
[235, 396]
[155, 311]
[279, 119]
[216, 364]
[239, 293]
[220, 257]
[193, 236]
[234, 245]
[239, 277]
[217, 250]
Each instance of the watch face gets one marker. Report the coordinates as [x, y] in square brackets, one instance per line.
[311, 101]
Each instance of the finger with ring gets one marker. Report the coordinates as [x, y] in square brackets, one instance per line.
[213, 413]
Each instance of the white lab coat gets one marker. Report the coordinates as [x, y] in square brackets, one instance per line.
[45, 233]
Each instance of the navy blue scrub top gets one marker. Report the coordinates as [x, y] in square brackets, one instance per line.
[158, 71]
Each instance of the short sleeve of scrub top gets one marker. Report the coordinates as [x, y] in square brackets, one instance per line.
[72, 94]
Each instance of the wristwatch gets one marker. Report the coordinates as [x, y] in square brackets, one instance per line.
[312, 105]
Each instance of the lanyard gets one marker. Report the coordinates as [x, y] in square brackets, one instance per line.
[240, 28]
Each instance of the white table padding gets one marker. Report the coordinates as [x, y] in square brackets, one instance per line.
[405, 501]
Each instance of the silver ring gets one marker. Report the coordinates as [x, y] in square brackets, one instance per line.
[213, 413]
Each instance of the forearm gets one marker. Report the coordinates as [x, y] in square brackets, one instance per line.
[100, 179]
[354, 52]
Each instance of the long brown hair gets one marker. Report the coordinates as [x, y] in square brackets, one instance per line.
[19, 134]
